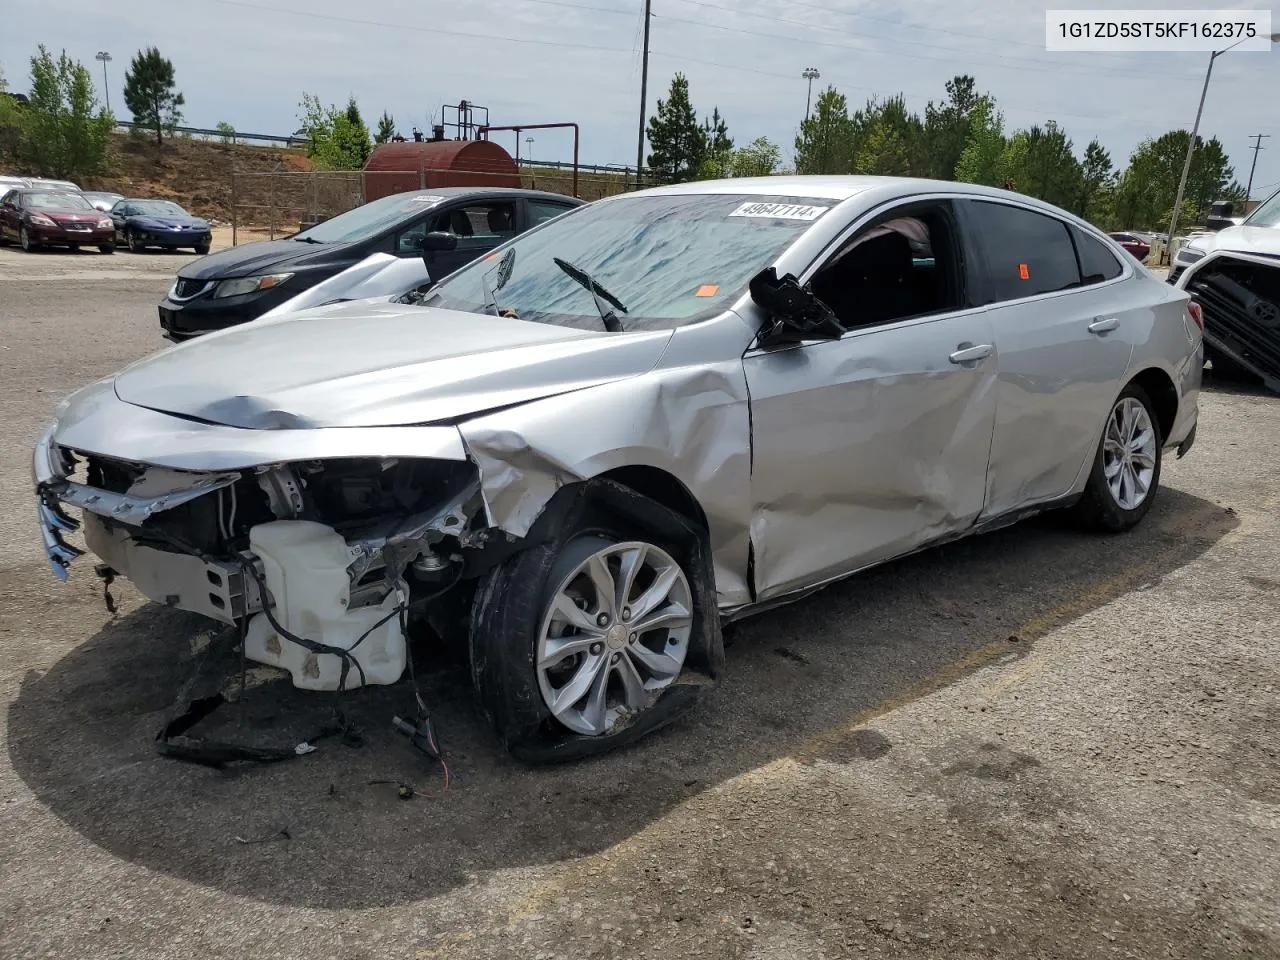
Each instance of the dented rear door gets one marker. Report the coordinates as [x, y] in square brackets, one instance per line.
[868, 447]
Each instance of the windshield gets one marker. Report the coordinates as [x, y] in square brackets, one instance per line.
[1267, 214]
[670, 260]
[57, 201]
[157, 208]
[373, 217]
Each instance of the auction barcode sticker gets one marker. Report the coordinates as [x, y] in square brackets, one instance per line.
[1157, 30]
[779, 211]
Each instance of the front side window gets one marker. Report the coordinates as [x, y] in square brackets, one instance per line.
[902, 265]
[478, 224]
[669, 260]
[1026, 253]
[540, 211]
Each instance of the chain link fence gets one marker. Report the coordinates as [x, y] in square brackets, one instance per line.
[282, 202]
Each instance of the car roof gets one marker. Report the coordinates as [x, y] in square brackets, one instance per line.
[450, 193]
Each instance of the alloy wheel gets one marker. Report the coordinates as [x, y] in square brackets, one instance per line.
[24, 239]
[1129, 453]
[615, 633]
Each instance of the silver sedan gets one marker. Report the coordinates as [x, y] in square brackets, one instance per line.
[585, 452]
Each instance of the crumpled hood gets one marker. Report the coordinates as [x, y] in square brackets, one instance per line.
[382, 364]
[1244, 239]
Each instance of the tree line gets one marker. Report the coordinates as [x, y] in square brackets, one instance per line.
[962, 137]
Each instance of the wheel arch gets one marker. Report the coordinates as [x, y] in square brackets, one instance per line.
[1160, 388]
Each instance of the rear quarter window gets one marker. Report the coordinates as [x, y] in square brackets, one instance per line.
[1097, 264]
[1025, 253]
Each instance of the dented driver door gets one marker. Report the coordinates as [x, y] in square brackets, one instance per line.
[867, 447]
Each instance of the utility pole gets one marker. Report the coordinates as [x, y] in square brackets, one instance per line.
[106, 90]
[1257, 145]
[644, 90]
[811, 74]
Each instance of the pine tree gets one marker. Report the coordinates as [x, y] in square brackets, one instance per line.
[679, 143]
[150, 93]
[719, 147]
[386, 128]
[826, 140]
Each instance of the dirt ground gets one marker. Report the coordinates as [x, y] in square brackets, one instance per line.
[1030, 744]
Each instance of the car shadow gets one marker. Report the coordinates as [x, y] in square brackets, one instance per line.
[801, 682]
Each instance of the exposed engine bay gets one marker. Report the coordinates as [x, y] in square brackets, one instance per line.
[322, 559]
[1241, 301]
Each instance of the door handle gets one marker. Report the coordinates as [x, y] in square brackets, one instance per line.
[1104, 326]
[968, 353]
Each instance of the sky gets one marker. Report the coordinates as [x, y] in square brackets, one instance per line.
[537, 61]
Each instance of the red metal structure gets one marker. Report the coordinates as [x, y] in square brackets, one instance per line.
[440, 163]
[485, 130]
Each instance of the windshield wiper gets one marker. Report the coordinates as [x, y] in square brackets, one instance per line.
[503, 269]
[598, 293]
[308, 240]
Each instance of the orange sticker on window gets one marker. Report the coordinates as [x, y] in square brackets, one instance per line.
[1023, 272]
[708, 290]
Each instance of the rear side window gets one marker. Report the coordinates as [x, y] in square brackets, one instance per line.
[1027, 253]
[540, 211]
[1096, 262]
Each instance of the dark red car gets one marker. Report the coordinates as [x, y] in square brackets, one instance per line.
[37, 218]
[1134, 244]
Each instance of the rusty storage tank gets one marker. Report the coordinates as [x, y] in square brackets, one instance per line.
[397, 167]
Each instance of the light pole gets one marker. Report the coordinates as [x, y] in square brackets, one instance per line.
[1195, 129]
[811, 74]
[106, 90]
[528, 142]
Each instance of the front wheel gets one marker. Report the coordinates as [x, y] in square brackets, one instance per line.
[202, 249]
[576, 645]
[1126, 469]
[25, 241]
[132, 241]
[106, 248]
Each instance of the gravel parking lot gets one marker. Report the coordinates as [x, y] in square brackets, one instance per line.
[1030, 744]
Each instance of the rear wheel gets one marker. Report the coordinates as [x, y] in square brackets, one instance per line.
[577, 644]
[1126, 469]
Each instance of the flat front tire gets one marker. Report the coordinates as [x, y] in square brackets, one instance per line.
[1126, 469]
[578, 644]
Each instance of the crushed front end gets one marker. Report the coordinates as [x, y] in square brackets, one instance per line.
[319, 561]
[1240, 296]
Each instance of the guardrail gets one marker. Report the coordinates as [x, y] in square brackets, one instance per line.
[234, 137]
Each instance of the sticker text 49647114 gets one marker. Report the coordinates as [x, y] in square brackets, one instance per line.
[779, 211]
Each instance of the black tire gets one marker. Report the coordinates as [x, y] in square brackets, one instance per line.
[132, 242]
[106, 248]
[202, 250]
[25, 241]
[506, 622]
[1098, 509]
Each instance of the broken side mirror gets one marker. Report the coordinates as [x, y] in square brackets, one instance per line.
[794, 313]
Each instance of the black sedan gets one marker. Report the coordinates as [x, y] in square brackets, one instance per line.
[159, 223]
[448, 227]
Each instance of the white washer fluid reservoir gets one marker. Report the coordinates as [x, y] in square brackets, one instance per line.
[305, 568]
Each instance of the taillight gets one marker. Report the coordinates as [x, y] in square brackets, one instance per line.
[1197, 314]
